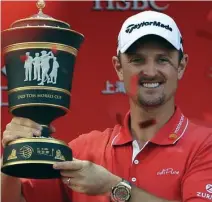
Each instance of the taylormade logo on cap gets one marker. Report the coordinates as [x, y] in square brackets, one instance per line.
[149, 23]
[132, 27]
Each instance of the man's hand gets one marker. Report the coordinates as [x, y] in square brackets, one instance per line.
[21, 128]
[86, 177]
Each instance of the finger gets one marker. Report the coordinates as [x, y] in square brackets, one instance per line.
[70, 173]
[26, 122]
[67, 180]
[16, 127]
[68, 165]
[72, 183]
[77, 188]
[8, 136]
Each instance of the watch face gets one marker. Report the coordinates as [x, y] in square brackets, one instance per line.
[121, 193]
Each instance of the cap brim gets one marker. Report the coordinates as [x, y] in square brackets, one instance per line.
[162, 35]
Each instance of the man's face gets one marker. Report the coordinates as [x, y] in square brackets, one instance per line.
[159, 70]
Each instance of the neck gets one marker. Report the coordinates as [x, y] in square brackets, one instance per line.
[159, 114]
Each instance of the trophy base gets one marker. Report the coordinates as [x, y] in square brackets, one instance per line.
[34, 157]
[31, 170]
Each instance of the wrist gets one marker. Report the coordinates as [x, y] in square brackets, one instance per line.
[114, 180]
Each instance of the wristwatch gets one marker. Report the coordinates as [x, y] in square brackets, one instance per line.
[121, 192]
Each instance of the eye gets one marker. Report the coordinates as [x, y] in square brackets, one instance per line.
[136, 60]
[163, 60]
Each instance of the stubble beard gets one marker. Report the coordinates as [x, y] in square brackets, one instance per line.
[154, 102]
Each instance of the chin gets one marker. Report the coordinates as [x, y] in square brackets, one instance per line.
[151, 102]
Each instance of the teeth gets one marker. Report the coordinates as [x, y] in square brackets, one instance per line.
[151, 85]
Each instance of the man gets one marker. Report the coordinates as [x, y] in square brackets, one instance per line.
[171, 160]
[28, 67]
[45, 66]
[37, 67]
[53, 74]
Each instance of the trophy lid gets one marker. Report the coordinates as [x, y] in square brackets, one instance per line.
[41, 28]
[40, 19]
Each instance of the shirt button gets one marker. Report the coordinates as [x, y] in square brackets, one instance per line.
[136, 162]
[133, 179]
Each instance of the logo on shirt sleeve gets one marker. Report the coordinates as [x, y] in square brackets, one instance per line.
[209, 188]
[207, 194]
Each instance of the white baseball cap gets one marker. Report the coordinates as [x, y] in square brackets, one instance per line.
[149, 23]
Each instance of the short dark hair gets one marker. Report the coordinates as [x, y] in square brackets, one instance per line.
[149, 38]
[181, 54]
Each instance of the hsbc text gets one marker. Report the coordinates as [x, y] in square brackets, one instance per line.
[129, 5]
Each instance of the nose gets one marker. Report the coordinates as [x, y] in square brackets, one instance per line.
[150, 69]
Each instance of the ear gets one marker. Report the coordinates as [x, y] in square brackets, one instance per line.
[182, 66]
[117, 66]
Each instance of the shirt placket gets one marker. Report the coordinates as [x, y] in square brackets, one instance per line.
[136, 160]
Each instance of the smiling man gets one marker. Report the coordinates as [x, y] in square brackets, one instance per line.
[169, 159]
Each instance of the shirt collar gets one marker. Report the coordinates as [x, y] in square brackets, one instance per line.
[169, 134]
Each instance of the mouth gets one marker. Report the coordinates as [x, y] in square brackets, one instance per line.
[151, 85]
